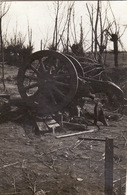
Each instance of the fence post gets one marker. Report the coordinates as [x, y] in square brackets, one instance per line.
[109, 166]
[126, 184]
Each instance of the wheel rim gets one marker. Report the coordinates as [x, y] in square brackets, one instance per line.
[77, 66]
[48, 82]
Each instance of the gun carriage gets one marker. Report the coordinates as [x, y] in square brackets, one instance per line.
[49, 81]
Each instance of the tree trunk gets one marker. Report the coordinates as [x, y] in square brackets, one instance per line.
[2, 54]
[68, 28]
[92, 31]
[114, 38]
[116, 53]
[96, 24]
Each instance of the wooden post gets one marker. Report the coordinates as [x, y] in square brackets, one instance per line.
[109, 166]
[126, 183]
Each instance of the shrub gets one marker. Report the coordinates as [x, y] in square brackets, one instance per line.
[16, 51]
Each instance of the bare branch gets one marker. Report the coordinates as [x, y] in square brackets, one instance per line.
[4, 8]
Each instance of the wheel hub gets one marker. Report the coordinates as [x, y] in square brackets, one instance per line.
[45, 82]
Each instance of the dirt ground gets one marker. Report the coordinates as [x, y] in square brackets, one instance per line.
[44, 165]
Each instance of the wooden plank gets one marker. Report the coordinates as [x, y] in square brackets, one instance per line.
[52, 124]
[41, 126]
[74, 134]
[7, 96]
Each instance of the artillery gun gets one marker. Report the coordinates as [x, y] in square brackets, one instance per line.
[49, 81]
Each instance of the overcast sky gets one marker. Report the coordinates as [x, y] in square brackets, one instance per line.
[40, 15]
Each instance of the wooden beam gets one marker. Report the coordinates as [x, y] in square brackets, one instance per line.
[74, 134]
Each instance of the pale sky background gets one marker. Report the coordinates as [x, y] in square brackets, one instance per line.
[40, 15]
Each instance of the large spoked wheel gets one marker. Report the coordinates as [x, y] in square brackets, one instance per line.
[48, 81]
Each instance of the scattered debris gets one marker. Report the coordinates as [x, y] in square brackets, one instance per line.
[41, 192]
[79, 179]
[8, 165]
[77, 144]
[125, 138]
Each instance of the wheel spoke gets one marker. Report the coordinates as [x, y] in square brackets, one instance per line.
[35, 70]
[50, 64]
[42, 67]
[61, 76]
[62, 84]
[31, 77]
[31, 86]
[42, 100]
[52, 97]
[58, 91]
[58, 68]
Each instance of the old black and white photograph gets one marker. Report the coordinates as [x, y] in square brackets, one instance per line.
[63, 97]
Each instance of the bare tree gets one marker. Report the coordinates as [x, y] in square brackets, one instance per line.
[92, 29]
[62, 24]
[103, 29]
[57, 5]
[101, 26]
[114, 34]
[4, 7]
[55, 33]
[74, 28]
[29, 35]
[68, 24]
